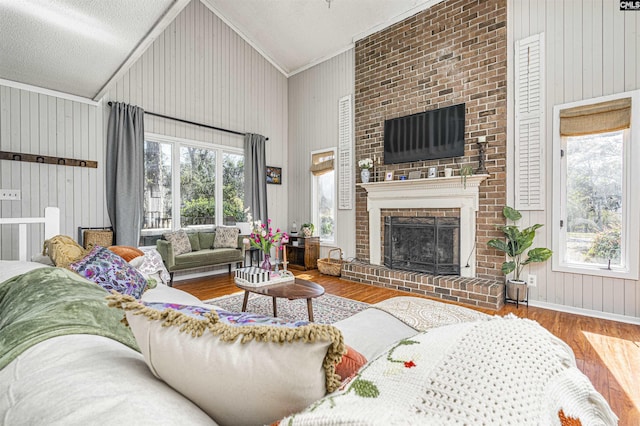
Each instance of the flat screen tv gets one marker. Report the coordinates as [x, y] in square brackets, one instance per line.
[427, 135]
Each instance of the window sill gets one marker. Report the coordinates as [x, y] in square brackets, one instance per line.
[597, 271]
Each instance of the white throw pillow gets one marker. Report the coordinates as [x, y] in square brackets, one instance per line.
[240, 368]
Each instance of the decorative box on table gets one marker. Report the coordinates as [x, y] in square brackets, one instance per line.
[258, 277]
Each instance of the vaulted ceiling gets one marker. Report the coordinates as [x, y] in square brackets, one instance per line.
[78, 46]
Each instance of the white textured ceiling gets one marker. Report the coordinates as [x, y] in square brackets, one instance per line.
[77, 46]
[72, 46]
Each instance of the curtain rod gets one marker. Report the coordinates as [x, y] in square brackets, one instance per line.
[192, 122]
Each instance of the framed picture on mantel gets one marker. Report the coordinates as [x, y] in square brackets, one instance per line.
[274, 175]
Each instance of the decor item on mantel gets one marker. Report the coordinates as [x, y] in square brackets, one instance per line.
[482, 148]
[365, 164]
[464, 172]
[264, 238]
[515, 243]
[307, 229]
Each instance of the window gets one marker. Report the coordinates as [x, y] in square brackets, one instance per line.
[182, 183]
[233, 188]
[595, 227]
[197, 186]
[324, 189]
[158, 203]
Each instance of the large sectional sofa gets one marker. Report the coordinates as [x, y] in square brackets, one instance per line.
[456, 371]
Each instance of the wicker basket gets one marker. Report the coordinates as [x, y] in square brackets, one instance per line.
[331, 266]
[103, 237]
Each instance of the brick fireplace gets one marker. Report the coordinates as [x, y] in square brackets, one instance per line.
[428, 195]
[438, 193]
[454, 52]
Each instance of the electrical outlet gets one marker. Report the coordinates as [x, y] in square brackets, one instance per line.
[10, 194]
[532, 280]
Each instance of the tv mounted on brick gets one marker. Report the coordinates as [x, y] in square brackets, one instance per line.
[428, 135]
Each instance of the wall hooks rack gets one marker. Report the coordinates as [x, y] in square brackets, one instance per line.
[45, 159]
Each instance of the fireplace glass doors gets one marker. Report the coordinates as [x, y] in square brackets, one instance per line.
[429, 245]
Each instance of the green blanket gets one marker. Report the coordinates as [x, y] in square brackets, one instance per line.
[50, 302]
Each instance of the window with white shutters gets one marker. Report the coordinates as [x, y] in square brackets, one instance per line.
[529, 123]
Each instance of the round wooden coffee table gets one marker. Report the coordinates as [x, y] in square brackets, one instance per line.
[298, 289]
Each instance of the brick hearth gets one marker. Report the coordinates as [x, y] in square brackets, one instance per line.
[477, 292]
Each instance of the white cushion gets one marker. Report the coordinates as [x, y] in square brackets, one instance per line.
[89, 380]
[239, 374]
[372, 331]
[12, 268]
[163, 293]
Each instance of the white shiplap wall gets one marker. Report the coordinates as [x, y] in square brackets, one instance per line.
[591, 49]
[200, 70]
[313, 125]
[35, 123]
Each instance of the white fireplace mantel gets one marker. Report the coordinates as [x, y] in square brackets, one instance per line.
[434, 193]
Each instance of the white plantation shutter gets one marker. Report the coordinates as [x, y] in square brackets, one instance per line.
[345, 154]
[529, 123]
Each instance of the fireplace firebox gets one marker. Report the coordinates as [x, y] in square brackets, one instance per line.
[422, 244]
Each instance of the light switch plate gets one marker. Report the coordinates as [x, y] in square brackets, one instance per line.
[532, 280]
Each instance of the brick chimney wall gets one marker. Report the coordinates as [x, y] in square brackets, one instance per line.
[453, 52]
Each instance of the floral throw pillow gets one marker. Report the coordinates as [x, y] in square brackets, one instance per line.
[110, 272]
[179, 240]
[152, 263]
[226, 237]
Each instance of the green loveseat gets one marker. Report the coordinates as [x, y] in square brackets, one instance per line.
[202, 253]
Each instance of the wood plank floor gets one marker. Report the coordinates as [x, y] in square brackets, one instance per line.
[608, 352]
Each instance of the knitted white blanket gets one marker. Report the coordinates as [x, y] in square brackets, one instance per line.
[500, 371]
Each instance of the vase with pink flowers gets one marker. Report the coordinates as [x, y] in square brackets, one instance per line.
[264, 238]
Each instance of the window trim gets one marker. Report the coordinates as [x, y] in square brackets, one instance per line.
[631, 156]
[314, 197]
[176, 143]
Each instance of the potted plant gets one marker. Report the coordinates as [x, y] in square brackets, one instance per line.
[365, 164]
[307, 229]
[514, 245]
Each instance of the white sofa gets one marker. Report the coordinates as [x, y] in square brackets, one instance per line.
[86, 379]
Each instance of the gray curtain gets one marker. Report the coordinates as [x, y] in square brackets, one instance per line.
[125, 172]
[255, 176]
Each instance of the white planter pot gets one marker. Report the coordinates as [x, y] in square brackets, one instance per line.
[517, 290]
[364, 175]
